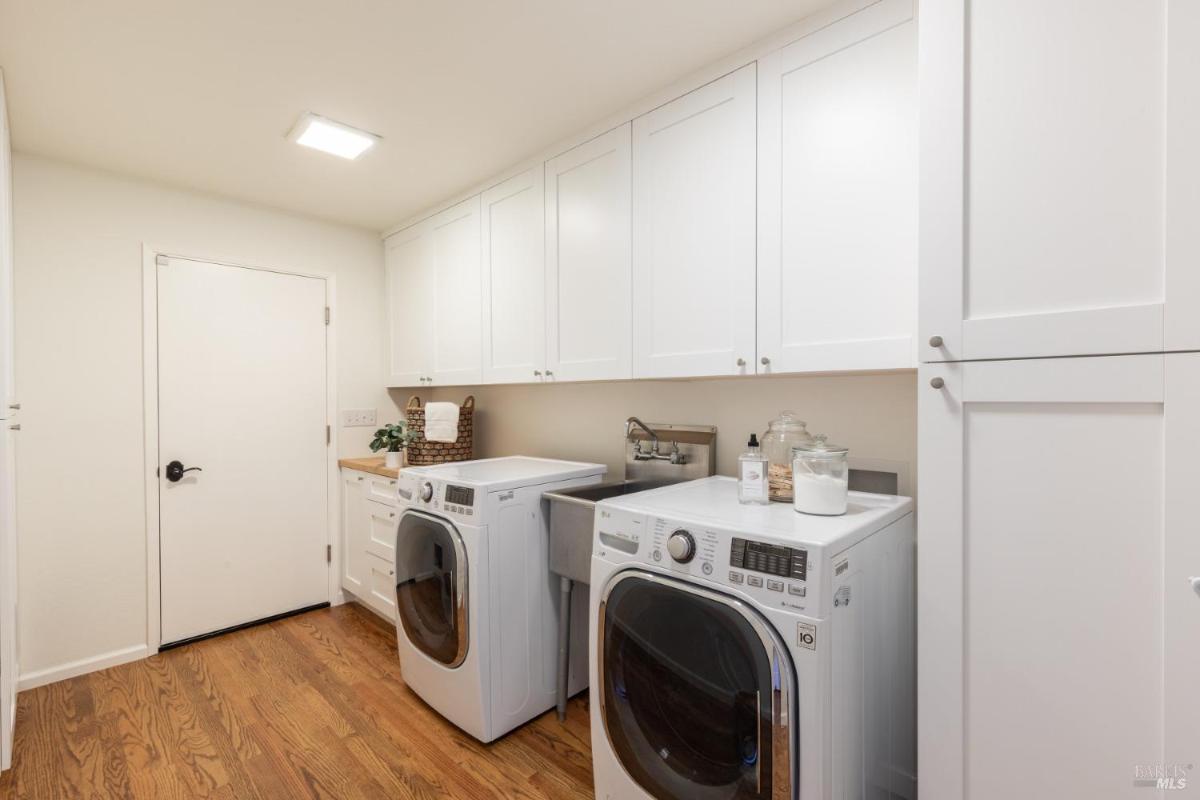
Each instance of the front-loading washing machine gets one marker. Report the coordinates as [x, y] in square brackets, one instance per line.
[745, 652]
[476, 605]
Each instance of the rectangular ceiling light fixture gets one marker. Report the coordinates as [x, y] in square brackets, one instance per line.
[332, 137]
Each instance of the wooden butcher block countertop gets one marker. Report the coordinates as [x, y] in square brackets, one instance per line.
[372, 464]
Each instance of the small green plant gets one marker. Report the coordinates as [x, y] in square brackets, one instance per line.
[392, 438]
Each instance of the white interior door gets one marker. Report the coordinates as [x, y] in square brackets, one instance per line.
[514, 279]
[242, 396]
[837, 215]
[589, 319]
[694, 232]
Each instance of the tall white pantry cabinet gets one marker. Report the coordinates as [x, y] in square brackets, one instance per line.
[1059, 409]
[9, 426]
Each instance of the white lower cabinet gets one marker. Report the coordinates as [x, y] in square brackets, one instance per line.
[1059, 633]
[368, 546]
[354, 531]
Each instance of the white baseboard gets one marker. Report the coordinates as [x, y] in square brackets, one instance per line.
[83, 666]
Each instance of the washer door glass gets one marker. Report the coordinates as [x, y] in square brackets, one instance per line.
[431, 587]
[696, 692]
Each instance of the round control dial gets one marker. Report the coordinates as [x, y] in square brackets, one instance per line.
[427, 491]
[681, 546]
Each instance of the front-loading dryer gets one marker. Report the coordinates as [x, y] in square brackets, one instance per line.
[747, 652]
[476, 605]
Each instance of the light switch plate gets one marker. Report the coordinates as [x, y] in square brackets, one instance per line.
[358, 417]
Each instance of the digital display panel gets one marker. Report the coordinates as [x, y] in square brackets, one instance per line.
[771, 559]
[460, 495]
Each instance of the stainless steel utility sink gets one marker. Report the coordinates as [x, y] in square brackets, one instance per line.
[572, 516]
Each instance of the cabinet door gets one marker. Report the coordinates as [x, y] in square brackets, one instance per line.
[837, 212]
[9, 633]
[514, 279]
[409, 302]
[1060, 178]
[1058, 508]
[589, 311]
[381, 530]
[694, 232]
[355, 531]
[381, 594]
[7, 372]
[456, 347]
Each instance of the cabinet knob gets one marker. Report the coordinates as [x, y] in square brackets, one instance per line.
[360, 477]
[937, 383]
[537, 373]
[741, 362]
[764, 361]
[1195, 584]
[15, 406]
[935, 341]
[16, 427]
[549, 374]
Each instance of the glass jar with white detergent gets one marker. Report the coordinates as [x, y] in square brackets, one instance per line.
[820, 478]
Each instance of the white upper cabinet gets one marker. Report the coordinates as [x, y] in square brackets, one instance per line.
[456, 350]
[409, 295]
[514, 279]
[7, 373]
[837, 211]
[694, 232]
[1060, 177]
[589, 323]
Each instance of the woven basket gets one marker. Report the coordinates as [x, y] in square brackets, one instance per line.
[422, 453]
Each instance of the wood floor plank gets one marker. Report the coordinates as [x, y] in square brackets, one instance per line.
[311, 706]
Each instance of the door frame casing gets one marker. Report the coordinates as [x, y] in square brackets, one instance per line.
[150, 255]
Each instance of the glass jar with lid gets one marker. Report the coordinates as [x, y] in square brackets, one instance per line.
[820, 478]
[784, 433]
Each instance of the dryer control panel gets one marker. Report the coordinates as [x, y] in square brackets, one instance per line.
[771, 559]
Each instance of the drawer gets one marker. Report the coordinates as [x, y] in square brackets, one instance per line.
[381, 594]
[381, 489]
[382, 520]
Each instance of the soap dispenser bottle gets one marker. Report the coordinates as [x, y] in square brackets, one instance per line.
[752, 474]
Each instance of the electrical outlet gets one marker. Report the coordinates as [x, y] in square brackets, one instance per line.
[358, 417]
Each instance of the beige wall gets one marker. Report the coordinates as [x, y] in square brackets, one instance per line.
[874, 415]
[80, 494]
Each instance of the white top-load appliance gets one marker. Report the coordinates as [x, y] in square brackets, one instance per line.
[476, 608]
[752, 652]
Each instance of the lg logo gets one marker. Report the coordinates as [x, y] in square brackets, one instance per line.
[806, 635]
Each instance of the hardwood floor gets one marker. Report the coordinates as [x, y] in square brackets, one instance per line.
[310, 706]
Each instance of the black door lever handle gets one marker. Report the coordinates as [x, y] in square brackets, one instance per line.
[175, 470]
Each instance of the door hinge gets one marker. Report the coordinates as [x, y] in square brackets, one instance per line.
[326, 315]
[328, 435]
[328, 554]
[160, 260]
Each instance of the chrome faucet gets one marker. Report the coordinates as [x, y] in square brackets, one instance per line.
[629, 423]
[640, 455]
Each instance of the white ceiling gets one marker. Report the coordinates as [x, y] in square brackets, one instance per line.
[201, 93]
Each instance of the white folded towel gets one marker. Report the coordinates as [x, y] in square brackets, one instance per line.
[441, 422]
